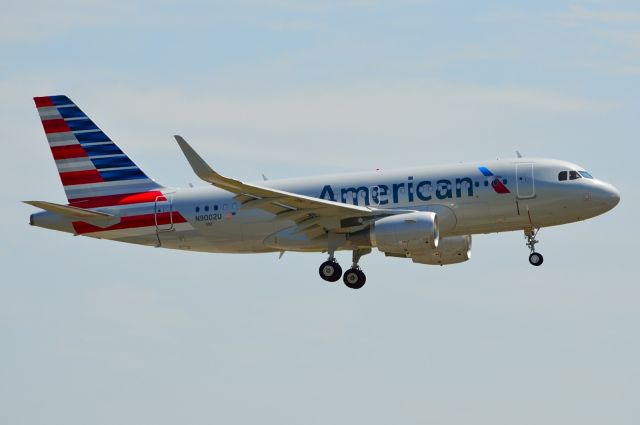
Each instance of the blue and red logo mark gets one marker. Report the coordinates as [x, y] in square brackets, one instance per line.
[496, 182]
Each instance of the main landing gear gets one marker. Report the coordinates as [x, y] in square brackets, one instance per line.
[535, 258]
[353, 278]
[330, 270]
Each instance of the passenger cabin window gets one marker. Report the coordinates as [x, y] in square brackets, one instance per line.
[562, 176]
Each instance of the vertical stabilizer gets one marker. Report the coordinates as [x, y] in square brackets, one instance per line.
[91, 166]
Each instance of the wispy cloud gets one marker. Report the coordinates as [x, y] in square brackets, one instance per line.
[34, 20]
[577, 14]
[279, 126]
[141, 310]
[629, 39]
[316, 5]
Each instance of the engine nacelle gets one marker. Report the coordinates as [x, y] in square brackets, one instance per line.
[450, 250]
[405, 233]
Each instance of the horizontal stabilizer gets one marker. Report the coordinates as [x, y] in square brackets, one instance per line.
[95, 217]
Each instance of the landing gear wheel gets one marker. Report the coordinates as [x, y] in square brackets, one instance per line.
[536, 259]
[354, 278]
[330, 271]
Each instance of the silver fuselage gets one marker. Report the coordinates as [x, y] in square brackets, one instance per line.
[464, 198]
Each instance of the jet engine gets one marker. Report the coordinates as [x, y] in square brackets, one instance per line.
[450, 250]
[405, 233]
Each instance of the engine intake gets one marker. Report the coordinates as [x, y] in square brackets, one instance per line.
[405, 233]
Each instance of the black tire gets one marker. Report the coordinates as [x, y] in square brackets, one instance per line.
[330, 271]
[536, 259]
[354, 278]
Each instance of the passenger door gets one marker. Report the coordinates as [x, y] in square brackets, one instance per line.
[163, 213]
[525, 181]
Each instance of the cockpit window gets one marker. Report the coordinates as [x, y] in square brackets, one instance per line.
[573, 175]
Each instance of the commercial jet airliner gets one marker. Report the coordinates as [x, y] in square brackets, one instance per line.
[425, 214]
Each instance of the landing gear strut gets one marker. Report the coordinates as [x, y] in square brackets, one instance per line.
[355, 278]
[535, 258]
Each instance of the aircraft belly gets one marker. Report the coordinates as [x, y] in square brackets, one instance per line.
[254, 234]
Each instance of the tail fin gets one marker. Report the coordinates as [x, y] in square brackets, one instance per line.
[91, 166]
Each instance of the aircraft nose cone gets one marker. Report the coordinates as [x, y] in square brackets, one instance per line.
[614, 196]
[609, 196]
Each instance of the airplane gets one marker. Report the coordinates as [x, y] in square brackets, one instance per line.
[426, 214]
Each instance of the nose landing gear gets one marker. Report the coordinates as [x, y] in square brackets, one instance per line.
[535, 258]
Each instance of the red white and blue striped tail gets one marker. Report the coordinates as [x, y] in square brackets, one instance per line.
[93, 170]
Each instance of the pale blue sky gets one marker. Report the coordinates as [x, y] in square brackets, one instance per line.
[102, 333]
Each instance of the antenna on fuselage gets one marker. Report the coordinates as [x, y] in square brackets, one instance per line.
[518, 154]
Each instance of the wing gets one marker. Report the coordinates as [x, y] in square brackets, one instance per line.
[307, 211]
